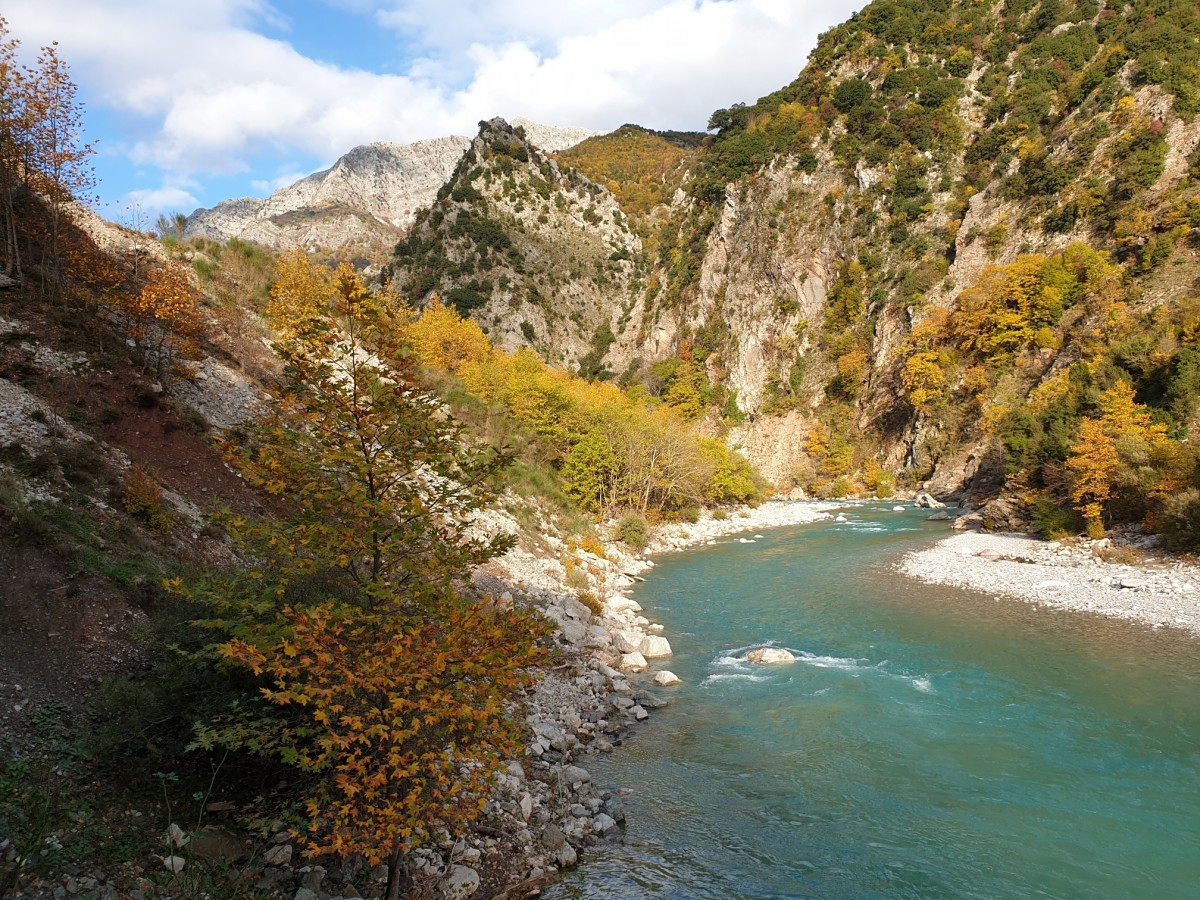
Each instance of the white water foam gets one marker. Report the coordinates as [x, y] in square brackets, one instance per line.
[738, 668]
[733, 676]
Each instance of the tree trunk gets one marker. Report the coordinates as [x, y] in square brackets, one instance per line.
[396, 874]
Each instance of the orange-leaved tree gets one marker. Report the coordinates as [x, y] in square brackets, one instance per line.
[1121, 439]
[164, 317]
[380, 675]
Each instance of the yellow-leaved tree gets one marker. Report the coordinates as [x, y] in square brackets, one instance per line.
[1122, 439]
[380, 676]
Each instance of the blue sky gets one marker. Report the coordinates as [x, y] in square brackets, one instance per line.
[196, 101]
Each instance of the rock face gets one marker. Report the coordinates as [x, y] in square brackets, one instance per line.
[368, 197]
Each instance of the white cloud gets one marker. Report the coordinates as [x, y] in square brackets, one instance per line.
[159, 200]
[212, 91]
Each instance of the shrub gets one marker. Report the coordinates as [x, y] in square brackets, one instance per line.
[1180, 521]
[1051, 521]
[144, 499]
[591, 544]
[720, 515]
[690, 514]
[633, 529]
[592, 602]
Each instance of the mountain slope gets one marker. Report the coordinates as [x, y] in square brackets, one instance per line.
[364, 200]
[539, 255]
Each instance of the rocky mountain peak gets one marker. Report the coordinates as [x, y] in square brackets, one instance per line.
[366, 199]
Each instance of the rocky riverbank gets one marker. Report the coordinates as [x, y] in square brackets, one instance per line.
[1080, 575]
[613, 673]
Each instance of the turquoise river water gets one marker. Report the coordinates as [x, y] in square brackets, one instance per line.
[929, 742]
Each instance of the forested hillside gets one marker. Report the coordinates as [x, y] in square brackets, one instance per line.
[931, 256]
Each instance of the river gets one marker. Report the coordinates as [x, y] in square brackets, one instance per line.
[928, 743]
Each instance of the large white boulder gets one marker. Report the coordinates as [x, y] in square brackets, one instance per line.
[618, 604]
[666, 678]
[627, 641]
[633, 662]
[654, 646]
[770, 656]
[462, 882]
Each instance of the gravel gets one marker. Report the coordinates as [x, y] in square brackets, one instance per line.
[1161, 593]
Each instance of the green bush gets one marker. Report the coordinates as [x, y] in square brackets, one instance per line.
[1051, 521]
[633, 529]
[1180, 521]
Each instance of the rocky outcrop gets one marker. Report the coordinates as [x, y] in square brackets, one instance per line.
[373, 191]
[370, 195]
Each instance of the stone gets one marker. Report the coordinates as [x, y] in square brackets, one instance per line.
[526, 806]
[897, 509]
[928, 501]
[940, 516]
[651, 701]
[653, 647]
[214, 844]
[552, 735]
[603, 823]
[616, 605]
[666, 678]
[1133, 584]
[566, 856]
[627, 641]
[173, 864]
[6, 282]
[640, 713]
[990, 555]
[313, 878]
[463, 881]
[306, 894]
[972, 521]
[633, 662]
[574, 631]
[279, 855]
[573, 775]
[615, 807]
[770, 656]
[553, 838]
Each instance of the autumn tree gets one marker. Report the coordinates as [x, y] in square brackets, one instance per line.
[164, 318]
[379, 673]
[59, 168]
[1121, 438]
[14, 148]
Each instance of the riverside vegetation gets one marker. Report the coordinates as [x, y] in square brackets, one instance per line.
[960, 248]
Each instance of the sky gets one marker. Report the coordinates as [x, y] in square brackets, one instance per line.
[191, 102]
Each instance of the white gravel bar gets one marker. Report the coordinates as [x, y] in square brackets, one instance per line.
[1160, 593]
[774, 514]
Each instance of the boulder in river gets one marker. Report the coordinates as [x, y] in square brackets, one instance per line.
[666, 678]
[654, 646]
[770, 656]
[928, 501]
[633, 662]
